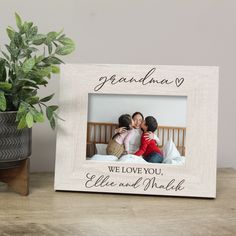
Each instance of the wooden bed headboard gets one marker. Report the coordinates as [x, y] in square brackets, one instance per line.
[100, 132]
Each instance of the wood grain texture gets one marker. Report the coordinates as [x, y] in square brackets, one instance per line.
[45, 212]
[17, 178]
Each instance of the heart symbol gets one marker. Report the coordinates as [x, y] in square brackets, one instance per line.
[178, 81]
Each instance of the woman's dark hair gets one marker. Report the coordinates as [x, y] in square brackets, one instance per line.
[124, 121]
[151, 123]
[137, 113]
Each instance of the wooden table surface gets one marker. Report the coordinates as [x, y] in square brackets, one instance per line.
[46, 212]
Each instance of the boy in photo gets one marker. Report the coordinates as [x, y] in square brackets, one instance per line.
[148, 148]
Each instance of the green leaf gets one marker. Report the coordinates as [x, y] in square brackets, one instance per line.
[40, 81]
[65, 50]
[32, 100]
[18, 21]
[49, 48]
[54, 108]
[13, 51]
[5, 55]
[66, 41]
[22, 124]
[25, 27]
[53, 123]
[55, 69]
[5, 85]
[29, 119]
[46, 99]
[49, 113]
[18, 40]
[3, 102]
[30, 24]
[38, 116]
[53, 60]
[32, 32]
[44, 72]
[28, 80]
[51, 36]
[39, 39]
[3, 73]
[10, 33]
[62, 36]
[21, 111]
[39, 59]
[28, 65]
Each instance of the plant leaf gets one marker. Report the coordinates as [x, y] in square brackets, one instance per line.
[2, 70]
[22, 124]
[32, 32]
[5, 55]
[18, 21]
[66, 41]
[44, 72]
[32, 100]
[46, 99]
[54, 107]
[21, 111]
[28, 65]
[53, 60]
[51, 36]
[39, 59]
[55, 69]
[49, 113]
[39, 39]
[25, 27]
[65, 50]
[10, 33]
[53, 123]
[3, 102]
[49, 48]
[28, 80]
[38, 116]
[5, 85]
[29, 120]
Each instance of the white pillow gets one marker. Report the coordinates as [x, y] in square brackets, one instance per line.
[98, 157]
[101, 148]
[170, 150]
[132, 159]
[172, 155]
[175, 161]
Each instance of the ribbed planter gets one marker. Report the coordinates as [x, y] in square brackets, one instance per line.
[15, 145]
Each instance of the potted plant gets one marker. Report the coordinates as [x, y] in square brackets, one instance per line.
[25, 66]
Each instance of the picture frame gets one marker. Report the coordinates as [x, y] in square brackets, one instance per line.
[195, 178]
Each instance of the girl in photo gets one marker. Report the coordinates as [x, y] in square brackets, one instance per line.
[119, 144]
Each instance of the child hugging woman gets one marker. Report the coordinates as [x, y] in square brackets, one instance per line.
[119, 143]
[148, 148]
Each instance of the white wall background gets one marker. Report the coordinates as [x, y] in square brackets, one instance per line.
[174, 32]
[168, 110]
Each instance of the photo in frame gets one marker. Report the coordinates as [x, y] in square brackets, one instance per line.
[169, 144]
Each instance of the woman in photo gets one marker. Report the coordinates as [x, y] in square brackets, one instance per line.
[135, 139]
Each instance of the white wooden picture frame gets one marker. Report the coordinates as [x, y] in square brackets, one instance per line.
[196, 178]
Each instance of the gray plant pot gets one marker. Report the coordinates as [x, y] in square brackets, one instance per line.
[15, 145]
